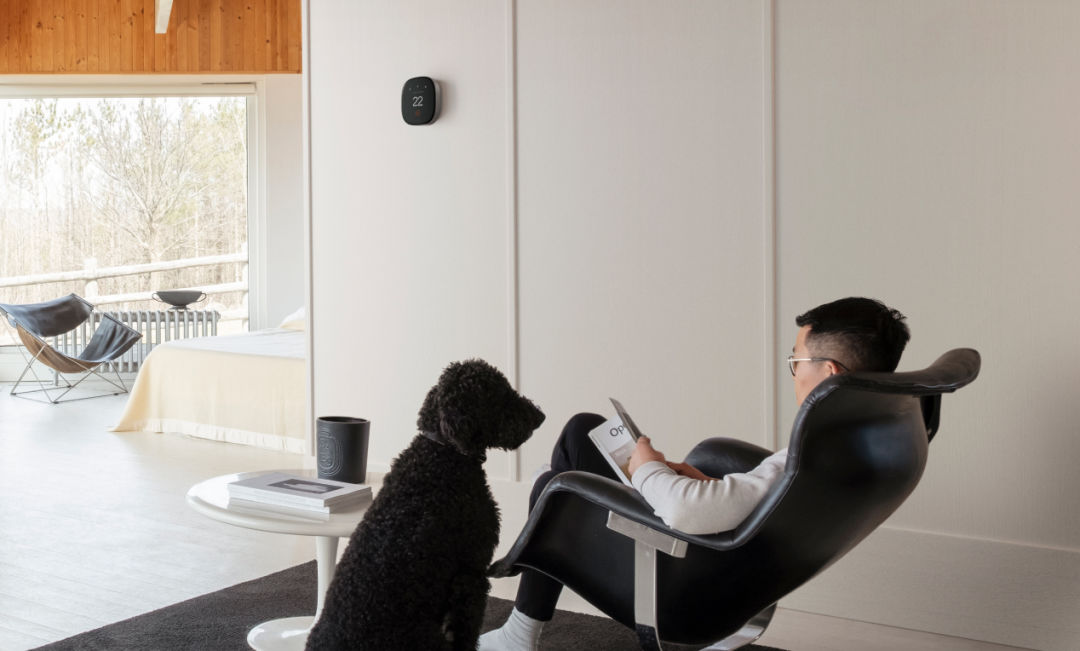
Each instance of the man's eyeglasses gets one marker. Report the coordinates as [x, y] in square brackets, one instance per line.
[792, 361]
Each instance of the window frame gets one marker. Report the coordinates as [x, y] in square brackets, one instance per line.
[248, 86]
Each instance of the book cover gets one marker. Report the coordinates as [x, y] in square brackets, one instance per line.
[616, 444]
[285, 489]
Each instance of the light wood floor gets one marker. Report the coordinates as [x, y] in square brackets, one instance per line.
[94, 529]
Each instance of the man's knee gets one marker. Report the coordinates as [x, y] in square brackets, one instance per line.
[584, 422]
[576, 431]
[574, 442]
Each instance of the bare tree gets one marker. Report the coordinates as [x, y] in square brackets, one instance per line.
[152, 176]
[123, 181]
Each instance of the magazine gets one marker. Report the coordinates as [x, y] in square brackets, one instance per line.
[616, 439]
[326, 495]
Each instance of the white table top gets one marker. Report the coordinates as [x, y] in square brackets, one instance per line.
[211, 498]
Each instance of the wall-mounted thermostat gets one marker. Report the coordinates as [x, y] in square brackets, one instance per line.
[420, 100]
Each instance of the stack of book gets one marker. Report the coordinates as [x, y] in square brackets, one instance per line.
[304, 497]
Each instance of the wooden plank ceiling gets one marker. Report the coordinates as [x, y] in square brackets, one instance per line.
[117, 37]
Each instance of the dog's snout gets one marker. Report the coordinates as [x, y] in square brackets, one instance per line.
[538, 416]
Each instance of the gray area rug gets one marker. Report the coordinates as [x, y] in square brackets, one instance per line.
[220, 621]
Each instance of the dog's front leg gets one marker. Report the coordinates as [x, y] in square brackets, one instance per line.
[468, 598]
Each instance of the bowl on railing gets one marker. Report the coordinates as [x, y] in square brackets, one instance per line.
[179, 298]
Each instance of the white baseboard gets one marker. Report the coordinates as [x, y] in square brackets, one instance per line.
[1000, 592]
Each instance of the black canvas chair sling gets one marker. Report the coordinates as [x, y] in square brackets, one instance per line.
[35, 323]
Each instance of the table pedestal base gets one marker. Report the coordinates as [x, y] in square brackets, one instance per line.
[289, 634]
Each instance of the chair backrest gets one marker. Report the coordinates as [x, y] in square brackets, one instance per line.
[50, 318]
[858, 449]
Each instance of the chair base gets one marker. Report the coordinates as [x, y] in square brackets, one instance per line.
[59, 399]
[55, 394]
[748, 634]
[648, 543]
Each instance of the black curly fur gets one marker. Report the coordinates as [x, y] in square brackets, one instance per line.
[413, 574]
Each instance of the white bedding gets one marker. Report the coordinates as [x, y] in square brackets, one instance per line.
[246, 388]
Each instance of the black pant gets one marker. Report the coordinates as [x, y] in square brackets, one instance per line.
[538, 593]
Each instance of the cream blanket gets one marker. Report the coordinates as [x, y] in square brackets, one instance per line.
[246, 388]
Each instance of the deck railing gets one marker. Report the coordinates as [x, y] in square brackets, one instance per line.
[90, 274]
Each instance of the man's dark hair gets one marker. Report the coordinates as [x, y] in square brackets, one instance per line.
[860, 333]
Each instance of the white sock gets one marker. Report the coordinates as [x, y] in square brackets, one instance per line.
[519, 633]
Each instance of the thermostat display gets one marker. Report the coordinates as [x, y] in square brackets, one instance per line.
[420, 100]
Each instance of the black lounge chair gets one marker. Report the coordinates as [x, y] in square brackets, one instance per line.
[36, 322]
[858, 448]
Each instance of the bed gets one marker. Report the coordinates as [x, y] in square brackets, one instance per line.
[246, 388]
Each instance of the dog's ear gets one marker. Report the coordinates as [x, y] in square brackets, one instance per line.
[463, 396]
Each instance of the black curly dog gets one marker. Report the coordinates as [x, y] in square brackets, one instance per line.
[413, 574]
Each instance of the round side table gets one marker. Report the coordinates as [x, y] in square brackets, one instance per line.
[211, 498]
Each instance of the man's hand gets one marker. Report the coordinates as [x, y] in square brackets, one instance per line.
[644, 453]
[686, 470]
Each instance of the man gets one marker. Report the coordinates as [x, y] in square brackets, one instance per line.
[851, 334]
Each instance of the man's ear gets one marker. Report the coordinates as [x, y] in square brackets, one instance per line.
[834, 369]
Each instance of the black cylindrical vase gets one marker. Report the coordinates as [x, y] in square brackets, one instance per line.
[341, 448]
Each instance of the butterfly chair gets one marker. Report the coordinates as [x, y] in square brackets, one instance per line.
[36, 322]
[858, 448]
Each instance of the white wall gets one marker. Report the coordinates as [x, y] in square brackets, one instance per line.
[283, 271]
[410, 228]
[928, 154]
[594, 213]
[642, 251]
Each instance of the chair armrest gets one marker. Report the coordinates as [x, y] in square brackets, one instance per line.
[721, 456]
[607, 493]
[619, 498]
[600, 491]
[609, 496]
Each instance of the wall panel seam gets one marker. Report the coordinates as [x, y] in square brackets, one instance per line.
[512, 211]
[769, 152]
[309, 239]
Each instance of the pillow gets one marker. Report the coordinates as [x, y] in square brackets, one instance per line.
[294, 321]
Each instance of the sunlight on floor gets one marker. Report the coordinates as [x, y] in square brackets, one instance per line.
[94, 526]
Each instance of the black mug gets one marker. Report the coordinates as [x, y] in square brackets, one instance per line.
[341, 448]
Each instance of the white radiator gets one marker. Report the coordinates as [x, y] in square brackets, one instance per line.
[156, 326]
